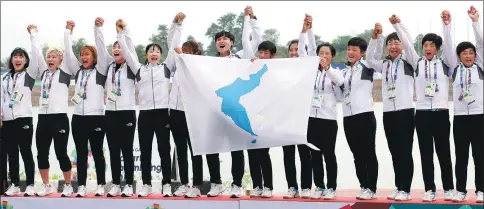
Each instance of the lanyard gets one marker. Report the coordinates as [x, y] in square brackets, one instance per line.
[86, 75]
[113, 80]
[395, 75]
[10, 91]
[349, 82]
[46, 87]
[426, 72]
[462, 77]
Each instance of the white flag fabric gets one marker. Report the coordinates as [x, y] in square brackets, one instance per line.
[236, 104]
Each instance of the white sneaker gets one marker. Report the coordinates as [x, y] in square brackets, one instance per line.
[145, 191]
[115, 191]
[449, 195]
[368, 195]
[81, 191]
[403, 196]
[480, 197]
[330, 194]
[127, 191]
[306, 193]
[429, 196]
[359, 194]
[99, 190]
[291, 193]
[181, 191]
[193, 192]
[256, 192]
[67, 191]
[13, 190]
[45, 189]
[235, 191]
[459, 197]
[167, 190]
[393, 194]
[29, 191]
[318, 193]
[215, 190]
[266, 193]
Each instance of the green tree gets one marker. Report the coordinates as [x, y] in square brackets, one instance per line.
[417, 44]
[77, 46]
[229, 22]
[271, 35]
[140, 51]
[161, 38]
[45, 47]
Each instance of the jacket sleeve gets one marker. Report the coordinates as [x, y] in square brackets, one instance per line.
[70, 60]
[374, 53]
[103, 56]
[129, 54]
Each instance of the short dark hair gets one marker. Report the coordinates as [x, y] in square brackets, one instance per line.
[268, 45]
[294, 41]
[115, 43]
[434, 38]
[463, 46]
[392, 37]
[358, 42]
[331, 48]
[226, 34]
[149, 47]
[18, 51]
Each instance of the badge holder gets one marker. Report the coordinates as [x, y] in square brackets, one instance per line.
[467, 96]
[430, 90]
[391, 91]
[317, 101]
[78, 97]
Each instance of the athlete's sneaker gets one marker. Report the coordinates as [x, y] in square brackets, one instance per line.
[291, 193]
[45, 189]
[114, 191]
[146, 190]
[67, 191]
[215, 190]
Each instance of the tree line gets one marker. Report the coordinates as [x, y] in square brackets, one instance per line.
[234, 23]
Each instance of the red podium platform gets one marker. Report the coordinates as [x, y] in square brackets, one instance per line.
[223, 202]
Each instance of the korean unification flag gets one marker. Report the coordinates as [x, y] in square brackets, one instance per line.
[236, 104]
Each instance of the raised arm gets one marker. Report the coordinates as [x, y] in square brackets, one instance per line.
[174, 40]
[410, 53]
[70, 60]
[311, 38]
[375, 49]
[303, 38]
[37, 63]
[247, 46]
[130, 56]
[254, 25]
[103, 56]
[476, 25]
[450, 57]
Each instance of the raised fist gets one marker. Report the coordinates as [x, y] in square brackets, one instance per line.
[70, 25]
[31, 28]
[376, 31]
[473, 14]
[99, 22]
